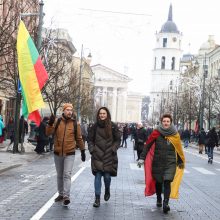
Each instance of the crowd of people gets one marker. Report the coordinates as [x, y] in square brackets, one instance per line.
[159, 150]
[206, 140]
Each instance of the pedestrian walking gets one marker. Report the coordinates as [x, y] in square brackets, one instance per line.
[84, 130]
[67, 133]
[212, 141]
[124, 136]
[2, 127]
[42, 138]
[10, 132]
[186, 137]
[164, 162]
[103, 141]
[201, 140]
[140, 138]
[23, 129]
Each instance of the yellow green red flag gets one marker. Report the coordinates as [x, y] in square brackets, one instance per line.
[32, 73]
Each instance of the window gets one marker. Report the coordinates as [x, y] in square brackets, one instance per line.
[155, 63]
[173, 63]
[164, 42]
[163, 60]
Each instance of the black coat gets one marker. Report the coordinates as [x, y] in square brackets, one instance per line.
[202, 137]
[186, 134]
[104, 149]
[212, 139]
[164, 160]
[140, 138]
[42, 132]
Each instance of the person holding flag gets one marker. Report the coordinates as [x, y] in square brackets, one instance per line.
[32, 75]
[164, 162]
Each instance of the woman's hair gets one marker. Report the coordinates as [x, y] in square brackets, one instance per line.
[166, 116]
[108, 124]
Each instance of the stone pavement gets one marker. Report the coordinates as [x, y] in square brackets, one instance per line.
[8, 160]
[127, 200]
[36, 183]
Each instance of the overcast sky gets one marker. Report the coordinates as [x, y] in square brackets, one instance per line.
[124, 41]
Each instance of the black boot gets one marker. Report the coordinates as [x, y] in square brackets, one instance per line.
[159, 201]
[97, 202]
[166, 207]
[107, 194]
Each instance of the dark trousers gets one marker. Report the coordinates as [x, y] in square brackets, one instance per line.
[166, 185]
[124, 141]
[140, 148]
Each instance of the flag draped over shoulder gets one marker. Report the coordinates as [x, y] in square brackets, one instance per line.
[150, 188]
[32, 74]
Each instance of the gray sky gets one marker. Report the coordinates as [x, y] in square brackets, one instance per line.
[124, 41]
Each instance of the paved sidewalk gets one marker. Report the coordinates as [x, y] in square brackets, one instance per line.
[8, 160]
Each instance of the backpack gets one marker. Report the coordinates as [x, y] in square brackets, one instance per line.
[74, 127]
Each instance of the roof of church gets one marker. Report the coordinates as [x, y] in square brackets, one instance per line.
[169, 26]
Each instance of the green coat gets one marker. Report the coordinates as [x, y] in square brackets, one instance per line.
[164, 161]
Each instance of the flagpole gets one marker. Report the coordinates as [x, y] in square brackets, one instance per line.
[18, 93]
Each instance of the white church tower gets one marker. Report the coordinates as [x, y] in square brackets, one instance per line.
[166, 65]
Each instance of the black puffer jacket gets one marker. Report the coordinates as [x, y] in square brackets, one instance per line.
[104, 149]
[212, 138]
[164, 161]
[140, 137]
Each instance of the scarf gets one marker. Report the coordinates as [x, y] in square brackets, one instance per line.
[167, 131]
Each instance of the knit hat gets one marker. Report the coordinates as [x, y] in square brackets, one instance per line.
[66, 105]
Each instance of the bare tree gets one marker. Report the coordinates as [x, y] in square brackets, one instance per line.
[10, 16]
[58, 89]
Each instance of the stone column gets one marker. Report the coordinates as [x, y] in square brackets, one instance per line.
[114, 104]
[104, 96]
[124, 105]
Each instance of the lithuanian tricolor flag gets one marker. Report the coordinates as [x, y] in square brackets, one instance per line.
[32, 74]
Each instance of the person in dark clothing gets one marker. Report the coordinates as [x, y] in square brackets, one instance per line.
[166, 154]
[132, 131]
[186, 137]
[84, 130]
[42, 139]
[103, 141]
[10, 131]
[201, 141]
[140, 138]
[125, 136]
[212, 141]
[23, 129]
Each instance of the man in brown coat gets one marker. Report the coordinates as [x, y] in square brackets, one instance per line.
[67, 134]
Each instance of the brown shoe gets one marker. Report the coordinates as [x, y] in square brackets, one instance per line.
[59, 198]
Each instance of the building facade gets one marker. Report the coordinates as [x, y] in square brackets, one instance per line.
[166, 65]
[111, 91]
[10, 14]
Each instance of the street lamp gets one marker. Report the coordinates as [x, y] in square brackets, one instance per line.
[89, 57]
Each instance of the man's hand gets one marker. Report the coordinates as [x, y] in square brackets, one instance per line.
[181, 165]
[140, 163]
[83, 156]
[51, 120]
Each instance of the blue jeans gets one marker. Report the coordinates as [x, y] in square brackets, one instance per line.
[98, 181]
[210, 152]
[186, 142]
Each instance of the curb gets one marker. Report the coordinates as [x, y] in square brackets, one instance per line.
[9, 168]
